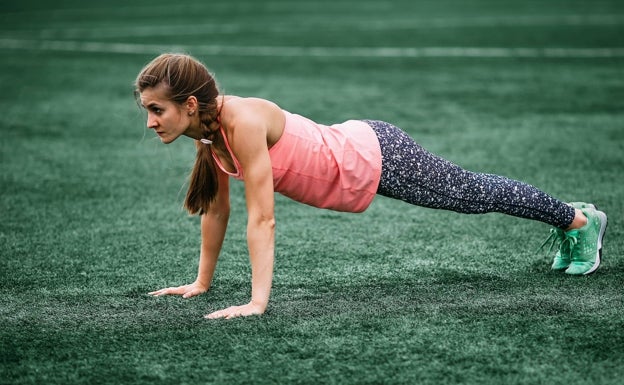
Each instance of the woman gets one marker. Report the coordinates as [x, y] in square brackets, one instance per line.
[341, 167]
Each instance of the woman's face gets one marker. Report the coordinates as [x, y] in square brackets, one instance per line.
[168, 119]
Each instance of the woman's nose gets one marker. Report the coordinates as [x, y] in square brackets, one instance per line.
[151, 121]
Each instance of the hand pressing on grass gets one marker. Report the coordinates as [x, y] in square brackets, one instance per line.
[186, 291]
[237, 311]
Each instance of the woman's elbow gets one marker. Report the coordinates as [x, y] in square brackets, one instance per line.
[219, 212]
[264, 221]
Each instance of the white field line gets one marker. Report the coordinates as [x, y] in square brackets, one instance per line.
[286, 51]
[357, 25]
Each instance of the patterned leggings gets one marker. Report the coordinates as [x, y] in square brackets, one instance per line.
[414, 175]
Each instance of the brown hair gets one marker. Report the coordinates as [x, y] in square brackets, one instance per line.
[184, 76]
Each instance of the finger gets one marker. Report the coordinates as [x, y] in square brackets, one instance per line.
[214, 315]
[160, 292]
[235, 312]
[166, 291]
[191, 293]
[223, 313]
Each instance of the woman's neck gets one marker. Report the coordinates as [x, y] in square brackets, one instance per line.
[195, 129]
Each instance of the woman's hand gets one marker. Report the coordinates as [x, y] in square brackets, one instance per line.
[186, 291]
[237, 311]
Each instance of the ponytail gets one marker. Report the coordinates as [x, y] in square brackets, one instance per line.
[203, 183]
[184, 76]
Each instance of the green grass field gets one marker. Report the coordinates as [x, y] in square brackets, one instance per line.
[92, 217]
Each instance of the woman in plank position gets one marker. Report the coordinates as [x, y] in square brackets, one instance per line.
[340, 167]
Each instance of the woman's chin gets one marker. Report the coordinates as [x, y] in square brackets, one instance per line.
[166, 139]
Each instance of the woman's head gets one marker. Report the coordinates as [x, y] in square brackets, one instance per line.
[181, 76]
[181, 82]
[180, 94]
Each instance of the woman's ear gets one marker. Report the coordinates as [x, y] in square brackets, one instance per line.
[191, 104]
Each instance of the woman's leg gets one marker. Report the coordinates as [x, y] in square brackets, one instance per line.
[414, 175]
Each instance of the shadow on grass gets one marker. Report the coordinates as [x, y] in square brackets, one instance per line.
[448, 292]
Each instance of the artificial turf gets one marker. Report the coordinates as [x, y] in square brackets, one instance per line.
[92, 217]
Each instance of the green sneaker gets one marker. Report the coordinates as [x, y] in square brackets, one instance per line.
[586, 243]
[582, 205]
[557, 237]
[562, 259]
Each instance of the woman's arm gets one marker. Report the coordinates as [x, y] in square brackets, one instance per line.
[249, 143]
[213, 227]
[260, 229]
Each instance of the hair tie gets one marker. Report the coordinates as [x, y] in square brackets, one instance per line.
[205, 141]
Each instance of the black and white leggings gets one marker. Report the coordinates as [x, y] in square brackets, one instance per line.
[414, 175]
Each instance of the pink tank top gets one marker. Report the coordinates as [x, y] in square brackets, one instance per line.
[334, 167]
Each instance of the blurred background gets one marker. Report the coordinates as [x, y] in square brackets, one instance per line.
[91, 201]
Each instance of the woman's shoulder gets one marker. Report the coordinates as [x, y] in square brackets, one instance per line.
[238, 105]
[239, 111]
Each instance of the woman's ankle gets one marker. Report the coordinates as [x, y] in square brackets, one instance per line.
[579, 221]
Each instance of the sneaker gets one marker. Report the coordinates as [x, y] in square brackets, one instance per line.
[586, 243]
[557, 237]
[582, 205]
[562, 259]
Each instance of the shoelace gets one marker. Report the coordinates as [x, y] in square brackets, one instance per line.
[555, 238]
[571, 238]
[560, 239]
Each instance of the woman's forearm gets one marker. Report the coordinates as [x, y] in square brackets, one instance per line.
[261, 242]
[213, 228]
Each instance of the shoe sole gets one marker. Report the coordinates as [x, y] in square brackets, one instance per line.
[603, 230]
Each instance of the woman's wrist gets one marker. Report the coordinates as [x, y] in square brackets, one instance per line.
[202, 282]
[260, 305]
